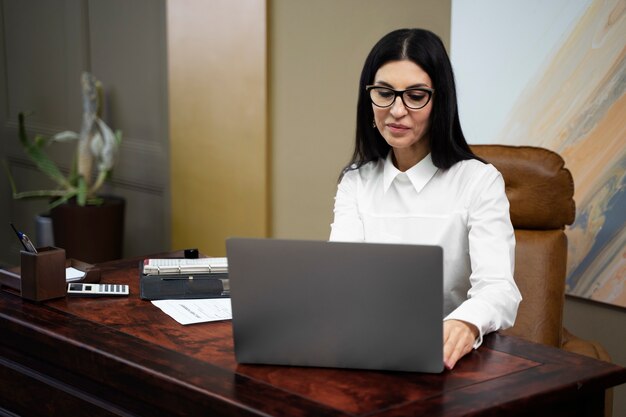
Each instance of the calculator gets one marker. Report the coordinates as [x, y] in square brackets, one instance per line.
[96, 290]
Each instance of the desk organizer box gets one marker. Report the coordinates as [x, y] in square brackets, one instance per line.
[41, 275]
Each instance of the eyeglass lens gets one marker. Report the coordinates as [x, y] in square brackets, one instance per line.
[413, 99]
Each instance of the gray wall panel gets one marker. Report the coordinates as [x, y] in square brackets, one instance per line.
[45, 47]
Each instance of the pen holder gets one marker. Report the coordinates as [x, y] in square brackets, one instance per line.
[43, 274]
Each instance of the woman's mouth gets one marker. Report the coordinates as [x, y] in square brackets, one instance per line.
[397, 128]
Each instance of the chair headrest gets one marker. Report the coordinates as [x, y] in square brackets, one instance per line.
[539, 187]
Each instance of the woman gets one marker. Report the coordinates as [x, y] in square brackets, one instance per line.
[413, 179]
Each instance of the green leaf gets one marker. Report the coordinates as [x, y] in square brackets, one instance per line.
[63, 199]
[34, 152]
[41, 193]
[40, 141]
[22, 130]
[46, 165]
[95, 201]
[32, 194]
[81, 196]
[118, 136]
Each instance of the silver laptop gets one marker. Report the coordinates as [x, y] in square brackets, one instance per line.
[337, 304]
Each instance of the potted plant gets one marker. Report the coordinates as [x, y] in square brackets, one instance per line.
[88, 225]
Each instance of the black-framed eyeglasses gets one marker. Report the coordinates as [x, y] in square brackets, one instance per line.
[413, 98]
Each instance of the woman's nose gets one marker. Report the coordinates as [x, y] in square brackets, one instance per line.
[397, 108]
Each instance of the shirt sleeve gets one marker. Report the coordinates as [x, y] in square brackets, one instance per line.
[347, 225]
[493, 297]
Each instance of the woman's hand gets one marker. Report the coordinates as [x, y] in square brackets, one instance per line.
[458, 340]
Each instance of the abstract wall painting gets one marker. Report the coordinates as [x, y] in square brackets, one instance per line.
[573, 103]
[578, 109]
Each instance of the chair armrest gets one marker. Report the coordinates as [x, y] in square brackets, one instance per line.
[584, 347]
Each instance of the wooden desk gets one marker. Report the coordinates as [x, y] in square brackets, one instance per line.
[123, 356]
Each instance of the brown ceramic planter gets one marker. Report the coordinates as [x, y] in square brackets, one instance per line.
[90, 233]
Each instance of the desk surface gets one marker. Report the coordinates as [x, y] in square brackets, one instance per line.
[124, 356]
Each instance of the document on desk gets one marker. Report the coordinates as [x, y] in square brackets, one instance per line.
[190, 311]
[73, 274]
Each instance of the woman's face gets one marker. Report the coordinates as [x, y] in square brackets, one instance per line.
[404, 129]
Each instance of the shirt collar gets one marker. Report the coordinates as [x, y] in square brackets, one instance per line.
[419, 174]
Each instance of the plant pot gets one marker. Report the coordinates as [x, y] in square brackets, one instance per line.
[90, 233]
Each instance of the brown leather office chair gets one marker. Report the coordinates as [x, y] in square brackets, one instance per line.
[540, 191]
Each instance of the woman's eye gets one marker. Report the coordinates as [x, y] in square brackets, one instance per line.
[385, 93]
[417, 96]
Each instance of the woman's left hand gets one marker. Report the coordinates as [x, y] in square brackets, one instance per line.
[458, 340]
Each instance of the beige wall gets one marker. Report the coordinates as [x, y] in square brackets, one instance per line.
[247, 178]
[317, 49]
[217, 102]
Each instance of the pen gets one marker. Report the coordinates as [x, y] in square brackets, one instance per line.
[28, 245]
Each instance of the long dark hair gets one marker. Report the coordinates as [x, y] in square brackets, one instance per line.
[424, 48]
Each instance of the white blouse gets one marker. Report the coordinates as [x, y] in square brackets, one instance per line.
[463, 209]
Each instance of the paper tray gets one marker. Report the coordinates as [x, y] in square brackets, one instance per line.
[92, 273]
